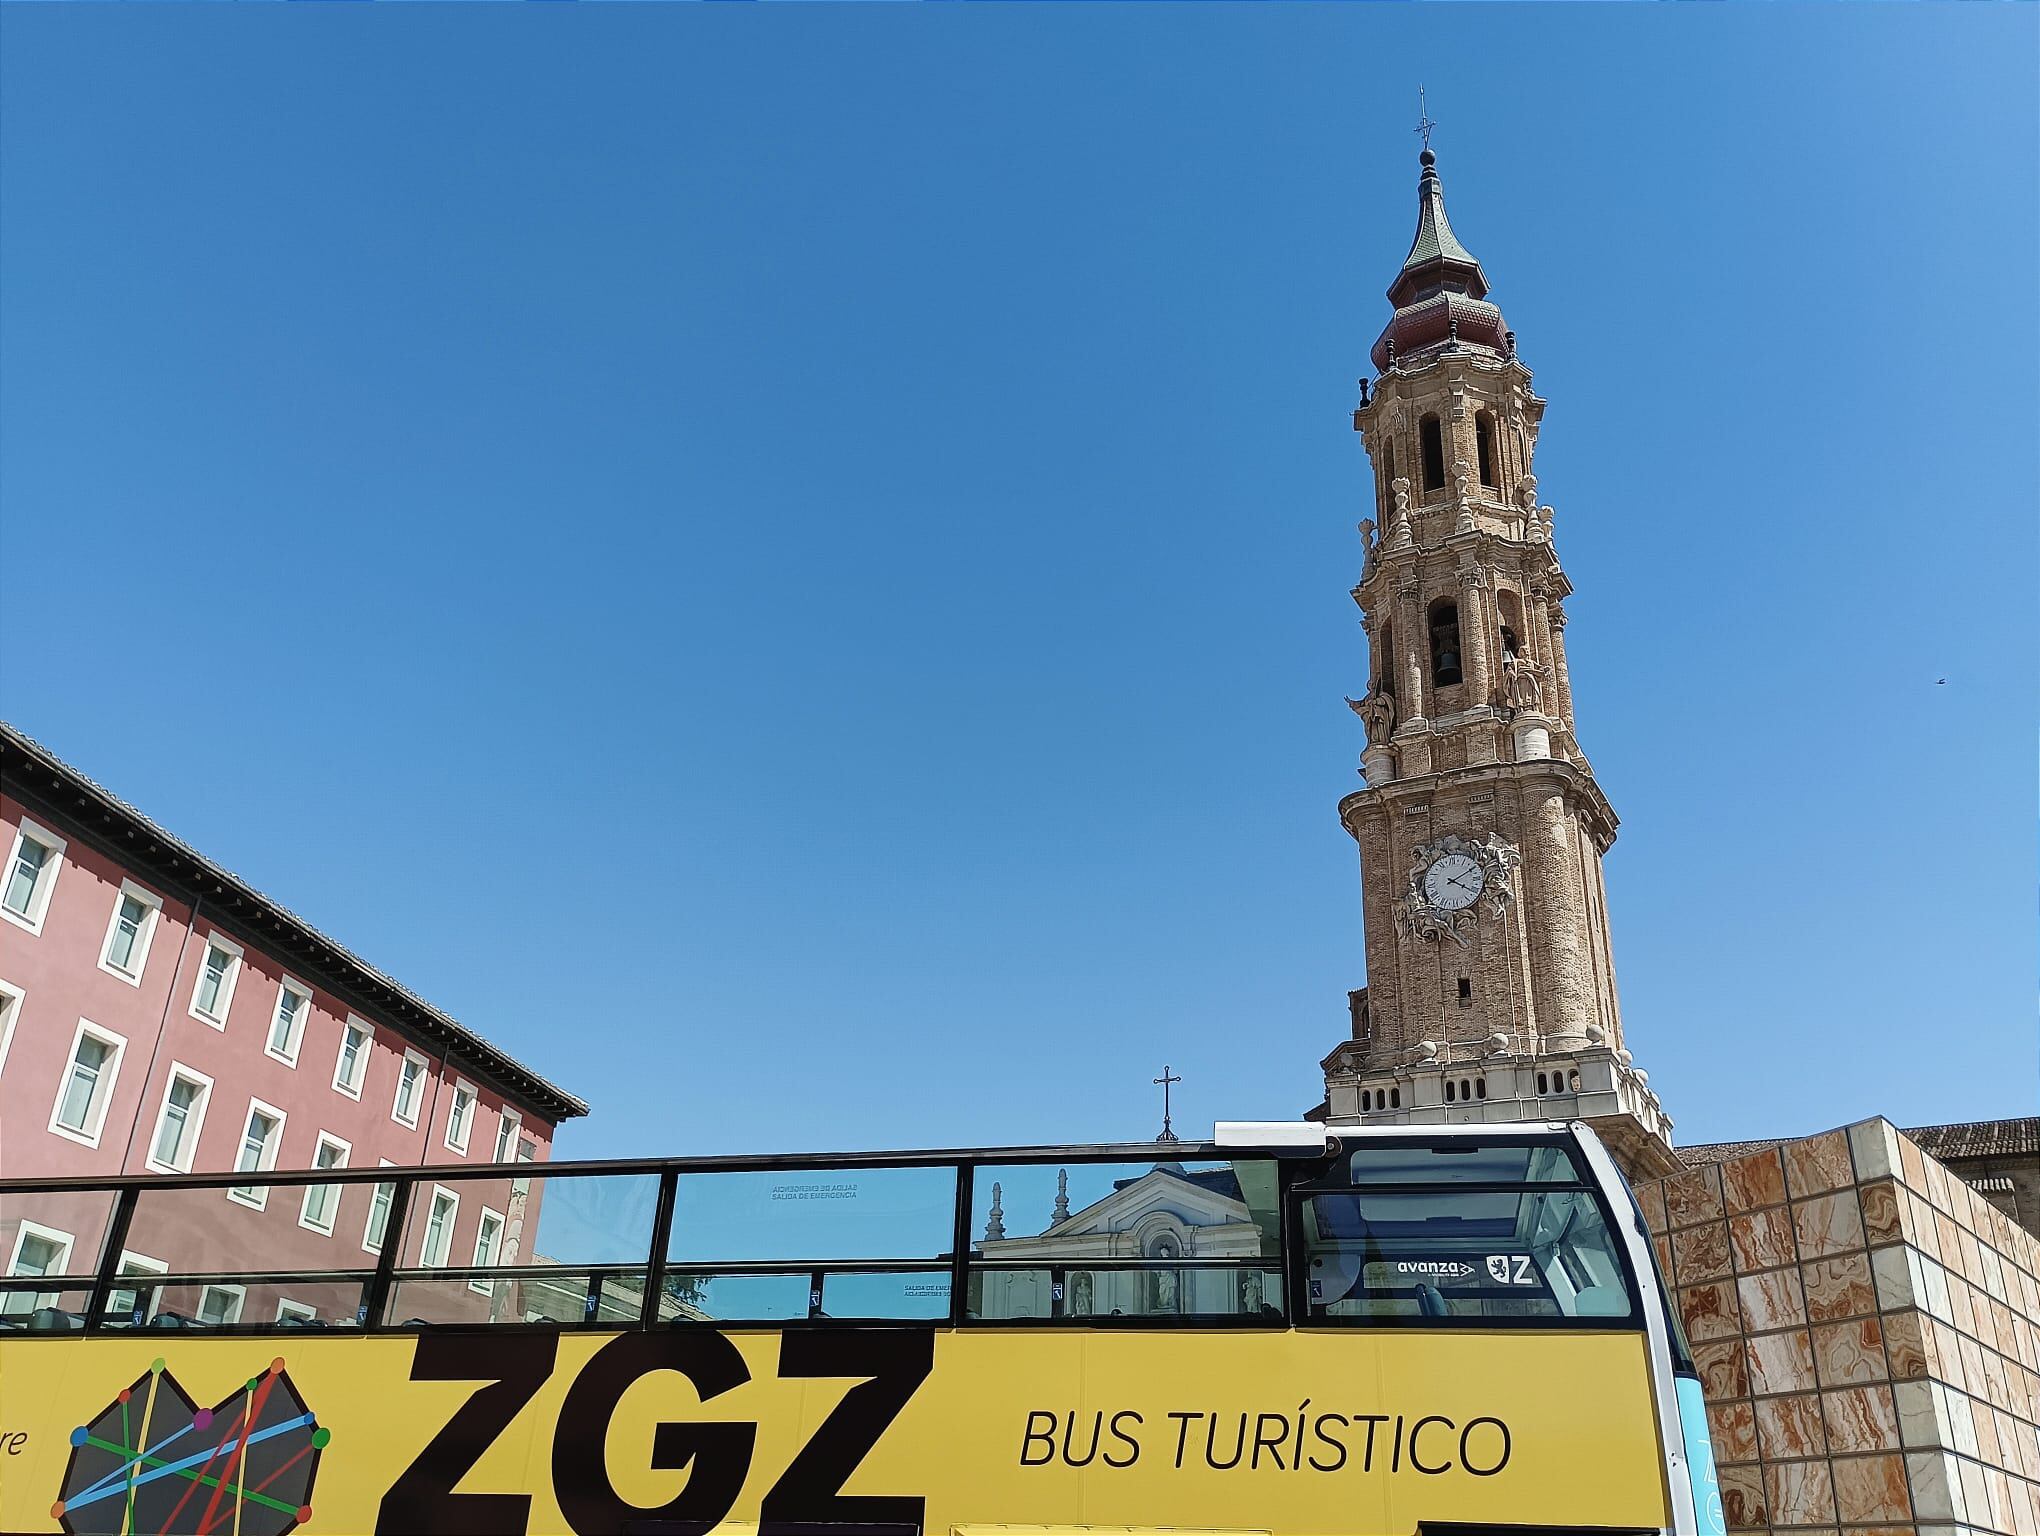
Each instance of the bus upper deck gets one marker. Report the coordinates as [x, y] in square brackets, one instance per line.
[1116, 1323]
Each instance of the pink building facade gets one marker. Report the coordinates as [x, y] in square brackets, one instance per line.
[157, 1015]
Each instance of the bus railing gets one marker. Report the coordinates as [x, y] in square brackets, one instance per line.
[1142, 1234]
[227, 1251]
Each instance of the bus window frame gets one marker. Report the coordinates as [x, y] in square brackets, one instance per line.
[1297, 1256]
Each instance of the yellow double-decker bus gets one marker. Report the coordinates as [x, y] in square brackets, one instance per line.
[1284, 1330]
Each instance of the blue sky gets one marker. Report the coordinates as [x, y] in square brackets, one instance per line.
[789, 565]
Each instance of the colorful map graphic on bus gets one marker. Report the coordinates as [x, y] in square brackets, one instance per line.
[154, 1463]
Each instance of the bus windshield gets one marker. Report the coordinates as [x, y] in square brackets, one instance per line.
[1455, 1230]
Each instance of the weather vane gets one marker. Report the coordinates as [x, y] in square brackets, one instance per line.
[1424, 123]
[1166, 1081]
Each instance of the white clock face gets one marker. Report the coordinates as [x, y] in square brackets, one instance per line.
[1454, 882]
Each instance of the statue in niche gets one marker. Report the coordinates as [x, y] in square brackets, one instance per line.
[1520, 682]
[1252, 1297]
[1377, 713]
[1162, 1283]
[1082, 1295]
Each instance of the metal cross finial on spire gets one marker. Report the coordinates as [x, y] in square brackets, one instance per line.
[1424, 123]
[1165, 1082]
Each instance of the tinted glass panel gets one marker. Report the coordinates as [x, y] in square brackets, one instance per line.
[734, 1298]
[817, 1214]
[540, 1294]
[918, 1294]
[252, 1229]
[64, 1232]
[171, 1302]
[1150, 1292]
[1531, 1253]
[1077, 1211]
[58, 1308]
[699, 1297]
[1459, 1163]
[550, 1221]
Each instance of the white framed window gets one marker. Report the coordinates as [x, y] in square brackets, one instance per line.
[350, 1067]
[527, 1150]
[134, 1305]
[460, 1115]
[378, 1224]
[439, 1219]
[410, 1089]
[33, 863]
[506, 1136]
[10, 1014]
[87, 1084]
[488, 1248]
[38, 1250]
[185, 1097]
[295, 1311]
[322, 1201]
[219, 1306]
[129, 932]
[261, 1140]
[287, 1021]
[218, 969]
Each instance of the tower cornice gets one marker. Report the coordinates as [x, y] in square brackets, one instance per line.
[1576, 782]
[1489, 550]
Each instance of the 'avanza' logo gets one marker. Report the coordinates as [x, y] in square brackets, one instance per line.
[1437, 1269]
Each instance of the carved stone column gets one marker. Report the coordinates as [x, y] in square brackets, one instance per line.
[1474, 636]
[1416, 644]
[1560, 680]
[1539, 640]
[1550, 903]
[1413, 732]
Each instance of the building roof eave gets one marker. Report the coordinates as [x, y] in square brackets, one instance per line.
[131, 835]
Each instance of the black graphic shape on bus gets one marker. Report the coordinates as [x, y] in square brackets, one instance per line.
[153, 1460]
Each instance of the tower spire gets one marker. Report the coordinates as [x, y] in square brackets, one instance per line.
[1440, 292]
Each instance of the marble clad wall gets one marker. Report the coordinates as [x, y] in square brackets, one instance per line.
[1867, 1329]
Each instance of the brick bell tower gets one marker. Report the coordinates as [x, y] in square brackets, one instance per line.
[1490, 990]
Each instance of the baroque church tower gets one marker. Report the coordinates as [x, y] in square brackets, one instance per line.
[1490, 990]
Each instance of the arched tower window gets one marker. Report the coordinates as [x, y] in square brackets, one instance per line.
[1395, 1098]
[1386, 485]
[1433, 437]
[1384, 680]
[1445, 642]
[1484, 441]
[1366, 1101]
[1450, 1088]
